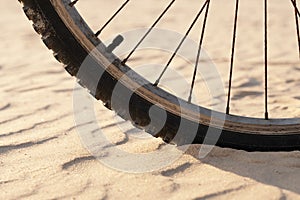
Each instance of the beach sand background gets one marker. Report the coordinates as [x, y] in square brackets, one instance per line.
[41, 154]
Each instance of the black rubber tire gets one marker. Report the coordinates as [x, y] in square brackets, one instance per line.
[71, 53]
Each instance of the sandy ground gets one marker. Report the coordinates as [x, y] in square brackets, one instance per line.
[41, 154]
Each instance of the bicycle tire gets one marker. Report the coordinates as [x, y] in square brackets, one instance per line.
[70, 48]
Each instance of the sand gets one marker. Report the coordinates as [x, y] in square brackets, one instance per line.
[42, 155]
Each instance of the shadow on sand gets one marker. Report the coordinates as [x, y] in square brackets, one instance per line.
[279, 169]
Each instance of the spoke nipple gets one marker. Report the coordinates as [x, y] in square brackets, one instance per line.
[124, 62]
[266, 115]
[97, 33]
[190, 99]
[115, 43]
[227, 110]
[155, 84]
[73, 3]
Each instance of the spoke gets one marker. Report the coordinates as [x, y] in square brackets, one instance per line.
[296, 8]
[266, 60]
[199, 53]
[181, 42]
[297, 26]
[114, 15]
[149, 30]
[232, 56]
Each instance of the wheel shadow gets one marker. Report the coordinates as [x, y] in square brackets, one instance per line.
[279, 169]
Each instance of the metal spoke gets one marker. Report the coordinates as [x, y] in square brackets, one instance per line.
[232, 56]
[114, 15]
[181, 42]
[266, 59]
[297, 26]
[205, 6]
[147, 33]
[296, 8]
[199, 53]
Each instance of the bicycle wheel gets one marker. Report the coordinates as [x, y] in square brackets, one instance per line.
[64, 31]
